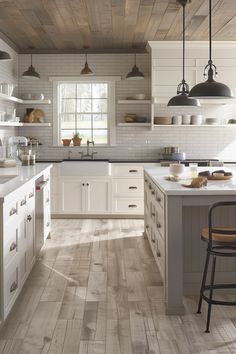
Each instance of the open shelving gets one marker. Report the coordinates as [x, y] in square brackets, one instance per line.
[19, 100]
[134, 102]
[134, 124]
[36, 124]
[36, 102]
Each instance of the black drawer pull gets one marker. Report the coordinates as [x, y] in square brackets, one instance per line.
[23, 202]
[13, 211]
[153, 192]
[132, 206]
[158, 225]
[133, 187]
[83, 184]
[12, 247]
[133, 171]
[29, 218]
[153, 214]
[147, 226]
[31, 195]
[13, 287]
[158, 253]
[87, 184]
[159, 199]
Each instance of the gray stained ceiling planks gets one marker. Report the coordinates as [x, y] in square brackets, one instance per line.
[109, 25]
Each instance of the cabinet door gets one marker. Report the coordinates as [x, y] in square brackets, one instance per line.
[98, 196]
[72, 195]
[30, 235]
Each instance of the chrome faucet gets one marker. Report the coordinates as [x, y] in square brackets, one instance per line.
[88, 154]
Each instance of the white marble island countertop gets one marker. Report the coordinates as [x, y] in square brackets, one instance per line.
[13, 178]
[215, 187]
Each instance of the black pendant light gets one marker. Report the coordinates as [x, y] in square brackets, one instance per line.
[31, 73]
[210, 89]
[135, 74]
[4, 56]
[182, 98]
[86, 69]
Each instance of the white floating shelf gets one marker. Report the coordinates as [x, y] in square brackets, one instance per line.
[134, 124]
[36, 102]
[134, 102]
[10, 98]
[10, 124]
[36, 124]
[193, 125]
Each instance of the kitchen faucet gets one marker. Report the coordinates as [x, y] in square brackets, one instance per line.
[88, 154]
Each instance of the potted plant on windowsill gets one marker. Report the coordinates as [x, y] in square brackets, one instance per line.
[76, 139]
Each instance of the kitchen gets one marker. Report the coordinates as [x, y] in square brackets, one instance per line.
[102, 281]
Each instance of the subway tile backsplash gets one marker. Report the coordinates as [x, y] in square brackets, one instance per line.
[132, 142]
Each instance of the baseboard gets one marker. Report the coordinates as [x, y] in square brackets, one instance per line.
[96, 216]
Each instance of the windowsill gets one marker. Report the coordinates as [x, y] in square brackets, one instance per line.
[82, 146]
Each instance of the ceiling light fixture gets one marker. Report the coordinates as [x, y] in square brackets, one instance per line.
[182, 98]
[210, 88]
[31, 73]
[4, 56]
[135, 74]
[86, 70]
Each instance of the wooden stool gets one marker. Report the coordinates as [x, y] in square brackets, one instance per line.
[221, 242]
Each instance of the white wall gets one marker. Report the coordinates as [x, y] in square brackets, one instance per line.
[8, 73]
[197, 142]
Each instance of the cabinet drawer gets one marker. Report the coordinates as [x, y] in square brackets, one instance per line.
[160, 221]
[11, 285]
[11, 243]
[127, 170]
[160, 253]
[10, 213]
[127, 188]
[160, 198]
[128, 205]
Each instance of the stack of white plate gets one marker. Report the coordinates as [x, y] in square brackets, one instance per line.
[212, 121]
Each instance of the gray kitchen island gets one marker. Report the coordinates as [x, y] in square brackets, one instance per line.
[174, 217]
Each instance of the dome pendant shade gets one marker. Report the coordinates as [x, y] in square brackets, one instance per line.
[135, 73]
[31, 73]
[4, 56]
[210, 89]
[86, 70]
[182, 98]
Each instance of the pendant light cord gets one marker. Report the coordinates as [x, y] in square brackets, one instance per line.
[210, 40]
[183, 43]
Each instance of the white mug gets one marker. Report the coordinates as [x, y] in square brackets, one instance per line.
[177, 120]
[186, 119]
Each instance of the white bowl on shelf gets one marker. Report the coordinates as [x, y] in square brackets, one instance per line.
[139, 96]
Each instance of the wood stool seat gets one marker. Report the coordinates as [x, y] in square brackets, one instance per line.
[220, 237]
[221, 241]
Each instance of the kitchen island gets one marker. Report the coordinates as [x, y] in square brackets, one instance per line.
[174, 217]
[17, 228]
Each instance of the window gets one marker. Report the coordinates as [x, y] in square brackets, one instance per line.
[86, 106]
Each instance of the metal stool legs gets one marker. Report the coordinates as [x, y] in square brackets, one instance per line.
[211, 293]
[203, 281]
[211, 287]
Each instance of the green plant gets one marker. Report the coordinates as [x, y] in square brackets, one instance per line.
[76, 135]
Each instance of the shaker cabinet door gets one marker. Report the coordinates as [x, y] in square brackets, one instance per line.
[71, 195]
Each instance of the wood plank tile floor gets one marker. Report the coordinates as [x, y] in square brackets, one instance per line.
[96, 289]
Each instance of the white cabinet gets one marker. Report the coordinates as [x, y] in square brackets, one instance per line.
[84, 195]
[127, 189]
[154, 222]
[18, 238]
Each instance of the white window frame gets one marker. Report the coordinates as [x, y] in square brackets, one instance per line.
[110, 80]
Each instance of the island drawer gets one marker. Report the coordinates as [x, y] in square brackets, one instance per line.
[11, 243]
[10, 212]
[127, 187]
[127, 170]
[160, 253]
[11, 286]
[128, 205]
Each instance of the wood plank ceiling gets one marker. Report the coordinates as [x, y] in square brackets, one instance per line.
[109, 25]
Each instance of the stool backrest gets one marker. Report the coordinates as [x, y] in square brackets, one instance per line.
[213, 229]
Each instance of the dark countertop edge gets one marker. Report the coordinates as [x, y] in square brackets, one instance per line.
[117, 161]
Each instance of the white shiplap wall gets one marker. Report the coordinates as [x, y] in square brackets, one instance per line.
[9, 74]
[197, 142]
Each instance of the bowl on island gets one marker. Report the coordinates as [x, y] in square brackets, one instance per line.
[176, 169]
